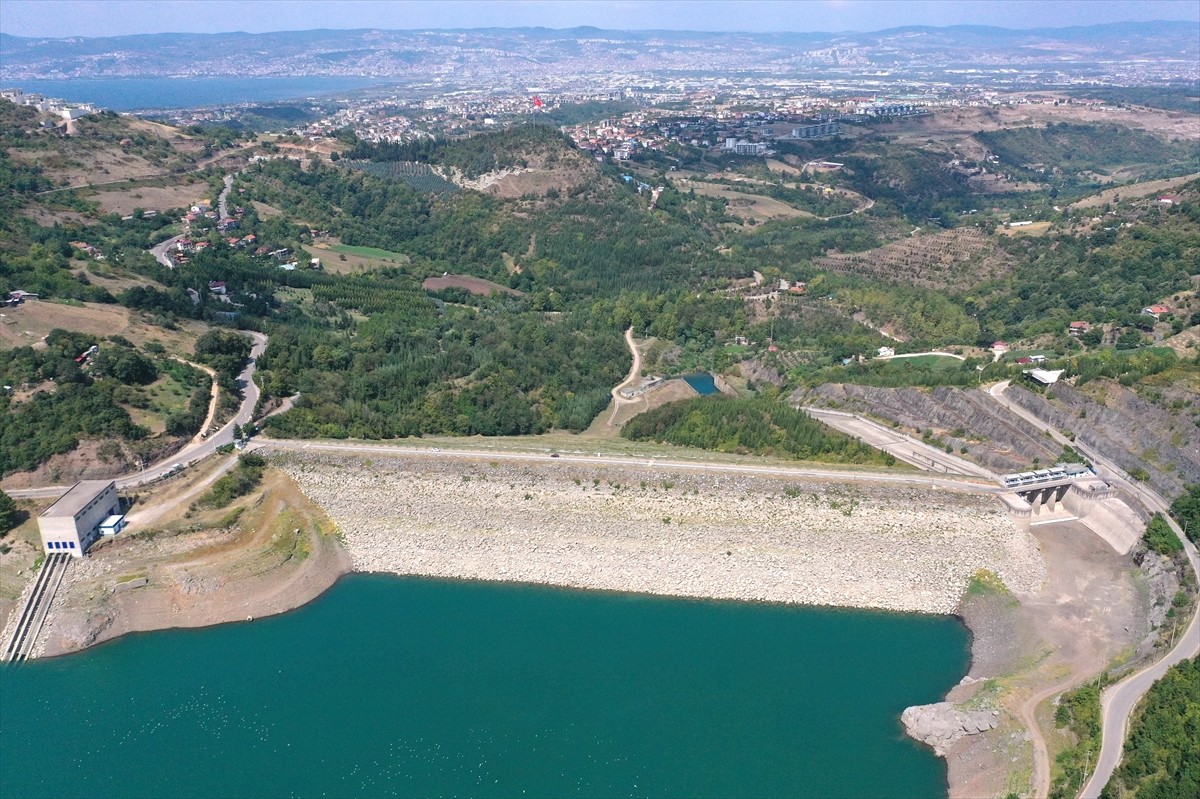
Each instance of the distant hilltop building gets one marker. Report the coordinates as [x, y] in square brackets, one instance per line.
[48, 105]
[816, 131]
[888, 109]
[743, 147]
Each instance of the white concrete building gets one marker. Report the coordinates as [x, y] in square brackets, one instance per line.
[72, 524]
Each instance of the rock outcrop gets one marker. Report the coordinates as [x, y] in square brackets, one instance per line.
[994, 436]
[941, 724]
[1125, 428]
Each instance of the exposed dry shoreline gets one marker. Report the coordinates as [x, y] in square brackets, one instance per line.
[648, 530]
[676, 534]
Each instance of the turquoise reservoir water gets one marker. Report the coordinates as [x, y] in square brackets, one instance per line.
[407, 687]
[704, 383]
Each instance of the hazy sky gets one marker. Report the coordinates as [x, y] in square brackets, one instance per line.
[116, 17]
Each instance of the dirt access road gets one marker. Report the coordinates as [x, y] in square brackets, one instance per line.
[634, 372]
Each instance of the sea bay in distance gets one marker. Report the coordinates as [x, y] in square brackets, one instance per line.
[389, 686]
[133, 94]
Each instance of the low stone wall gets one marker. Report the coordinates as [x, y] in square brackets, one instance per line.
[718, 534]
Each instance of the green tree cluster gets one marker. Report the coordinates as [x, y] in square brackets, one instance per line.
[1160, 759]
[749, 426]
[244, 478]
[1186, 511]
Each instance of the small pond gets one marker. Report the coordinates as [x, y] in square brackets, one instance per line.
[704, 383]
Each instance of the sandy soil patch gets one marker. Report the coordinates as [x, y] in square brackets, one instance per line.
[101, 164]
[1185, 343]
[652, 531]
[665, 392]
[963, 122]
[780, 166]
[51, 218]
[277, 554]
[475, 285]
[265, 211]
[99, 273]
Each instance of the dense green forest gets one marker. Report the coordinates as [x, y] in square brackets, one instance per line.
[749, 425]
[1109, 275]
[472, 156]
[1186, 511]
[1160, 759]
[53, 422]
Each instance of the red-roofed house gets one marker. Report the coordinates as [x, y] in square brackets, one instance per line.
[1156, 311]
[1077, 329]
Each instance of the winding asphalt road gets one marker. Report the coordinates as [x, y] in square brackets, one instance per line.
[159, 251]
[1118, 701]
[193, 452]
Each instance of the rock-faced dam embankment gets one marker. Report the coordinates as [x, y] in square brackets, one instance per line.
[650, 530]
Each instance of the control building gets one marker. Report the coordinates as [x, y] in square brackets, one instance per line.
[72, 524]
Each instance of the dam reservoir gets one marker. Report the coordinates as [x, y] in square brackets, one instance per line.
[389, 686]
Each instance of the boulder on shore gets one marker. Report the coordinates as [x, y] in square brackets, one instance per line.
[941, 724]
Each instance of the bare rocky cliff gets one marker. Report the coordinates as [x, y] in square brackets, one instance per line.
[993, 436]
[1124, 427]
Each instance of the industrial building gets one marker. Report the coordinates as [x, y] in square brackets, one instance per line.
[72, 524]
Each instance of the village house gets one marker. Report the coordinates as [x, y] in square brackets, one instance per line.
[1156, 311]
[1077, 329]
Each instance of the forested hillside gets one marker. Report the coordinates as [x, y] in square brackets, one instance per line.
[1160, 760]
[918, 261]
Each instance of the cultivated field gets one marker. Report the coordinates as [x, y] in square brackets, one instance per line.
[149, 198]
[1036, 229]
[344, 259]
[750, 207]
[475, 285]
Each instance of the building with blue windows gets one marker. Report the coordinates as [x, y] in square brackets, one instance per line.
[72, 524]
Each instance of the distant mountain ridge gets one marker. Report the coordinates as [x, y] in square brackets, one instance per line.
[536, 53]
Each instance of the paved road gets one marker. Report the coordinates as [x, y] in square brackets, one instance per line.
[193, 452]
[1117, 701]
[936, 481]
[903, 447]
[159, 251]
[223, 198]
